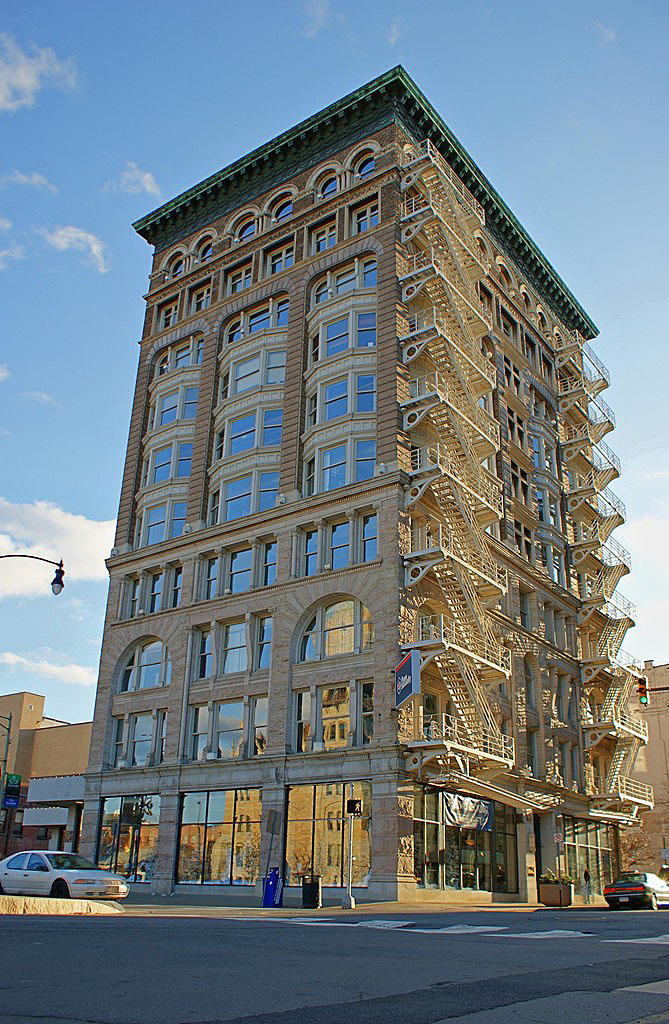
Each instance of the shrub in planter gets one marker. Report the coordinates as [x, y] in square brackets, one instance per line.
[554, 892]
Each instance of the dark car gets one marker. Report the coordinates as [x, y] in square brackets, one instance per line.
[636, 889]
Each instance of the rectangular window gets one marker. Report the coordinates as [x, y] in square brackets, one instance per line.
[155, 592]
[339, 545]
[238, 279]
[237, 498]
[271, 427]
[205, 657]
[334, 467]
[269, 564]
[268, 491]
[155, 524]
[366, 336]
[184, 459]
[162, 465]
[182, 357]
[161, 736]
[280, 259]
[259, 726]
[309, 477]
[200, 298]
[310, 552]
[345, 281]
[336, 337]
[335, 717]
[117, 748]
[335, 399]
[200, 733]
[214, 502]
[275, 369]
[302, 720]
[365, 459]
[365, 392]
[324, 237]
[264, 642]
[312, 409]
[169, 405]
[142, 731]
[365, 217]
[178, 518]
[234, 648]
[190, 403]
[247, 375]
[242, 434]
[536, 452]
[219, 837]
[366, 713]
[369, 538]
[259, 321]
[239, 579]
[134, 597]
[525, 610]
[369, 274]
[211, 579]
[168, 315]
[177, 577]
[282, 312]
[230, 729]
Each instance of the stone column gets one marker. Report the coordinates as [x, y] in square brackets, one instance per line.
[164, 871]
[392, 875]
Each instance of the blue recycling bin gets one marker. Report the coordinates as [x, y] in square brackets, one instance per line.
[272, 890]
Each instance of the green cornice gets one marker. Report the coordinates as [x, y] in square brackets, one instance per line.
[393, 96]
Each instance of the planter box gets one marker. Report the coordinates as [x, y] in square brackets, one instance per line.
[553, 895]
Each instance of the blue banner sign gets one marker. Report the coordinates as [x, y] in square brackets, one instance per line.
[467, 812]
[407, 678]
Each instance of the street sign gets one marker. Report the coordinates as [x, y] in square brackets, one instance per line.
[558, 837]
[354, 807]
[12, 791]
[407, 678]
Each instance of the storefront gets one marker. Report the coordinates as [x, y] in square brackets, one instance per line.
[128, 836]
[219, 837]
[317, 833]
[592, 845]
[462, 842]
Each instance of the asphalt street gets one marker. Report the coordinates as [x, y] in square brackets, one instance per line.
[150, 966]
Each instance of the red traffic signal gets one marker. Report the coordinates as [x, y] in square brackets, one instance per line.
[642, 692]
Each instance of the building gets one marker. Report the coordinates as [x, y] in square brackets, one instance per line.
[648, 845]
[51, 757]
[366, 421]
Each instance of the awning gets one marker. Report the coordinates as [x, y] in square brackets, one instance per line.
[45, 816]
[465, 784]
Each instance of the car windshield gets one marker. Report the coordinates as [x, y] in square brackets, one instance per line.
[631, 876]
[70, 862]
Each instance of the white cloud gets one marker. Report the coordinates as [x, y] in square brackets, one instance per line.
[134, 180]
[42, 397]
[658, 474]
[70, 237]
[394, 32]
[34, 180]
[5, 224]
[4, 372]
[23, 75]
[7, 256]
[75, 675]
[48, 531]
[606, 35]
[318, 12]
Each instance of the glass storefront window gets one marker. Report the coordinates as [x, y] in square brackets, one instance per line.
[219, 837]
[317, 834]
[128, 836]
[450, 857]
[591, 845]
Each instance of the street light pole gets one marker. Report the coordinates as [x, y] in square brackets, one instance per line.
[57, 583]
[348, 902]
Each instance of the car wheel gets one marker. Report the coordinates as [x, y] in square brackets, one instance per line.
[652, 902]
[2, 891]
[60, 890]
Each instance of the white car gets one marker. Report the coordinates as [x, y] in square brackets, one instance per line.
[60, 874]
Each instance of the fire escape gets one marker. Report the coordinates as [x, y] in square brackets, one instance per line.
[608, 675]
[452, 495]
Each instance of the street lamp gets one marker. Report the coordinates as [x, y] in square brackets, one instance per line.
[57, 583]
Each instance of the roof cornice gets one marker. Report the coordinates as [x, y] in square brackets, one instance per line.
[404, 103]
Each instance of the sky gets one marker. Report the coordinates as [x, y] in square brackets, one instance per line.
[107, 110]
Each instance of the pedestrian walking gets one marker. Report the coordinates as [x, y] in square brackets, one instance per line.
[586, 886]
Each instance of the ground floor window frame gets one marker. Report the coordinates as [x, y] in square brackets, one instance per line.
[316, 834]
[219, 837]
[592, 845]
[128, 836]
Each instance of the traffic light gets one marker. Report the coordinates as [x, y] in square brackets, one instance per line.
[642, 692]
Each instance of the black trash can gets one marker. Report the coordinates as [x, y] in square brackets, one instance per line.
[312, 895]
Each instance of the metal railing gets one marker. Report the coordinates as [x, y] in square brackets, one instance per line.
[437, 457]
[440, 629]
[602, 411]
[427, 150]
[429, 319]
[618, 607]
[613, 553]
[434, 383]
[631, 789]
[593, 367]
[628, 662]
[427, 205]
[431, 535]
[444, 728]
[420, 262]
[604, 457]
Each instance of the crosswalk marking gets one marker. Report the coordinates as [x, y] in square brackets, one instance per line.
[555, 933]
[662, 940]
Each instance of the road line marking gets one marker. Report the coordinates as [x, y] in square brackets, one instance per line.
[662, 940]
[556, 933]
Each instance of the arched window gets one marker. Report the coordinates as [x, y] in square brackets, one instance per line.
[362, 273]
[328, 186]
[366, 167]
[176, 267]
[246, 230]
[283, 210]
[187, 352]
[149, 664]
[530, 689]
[344, 627]
[205, 250]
